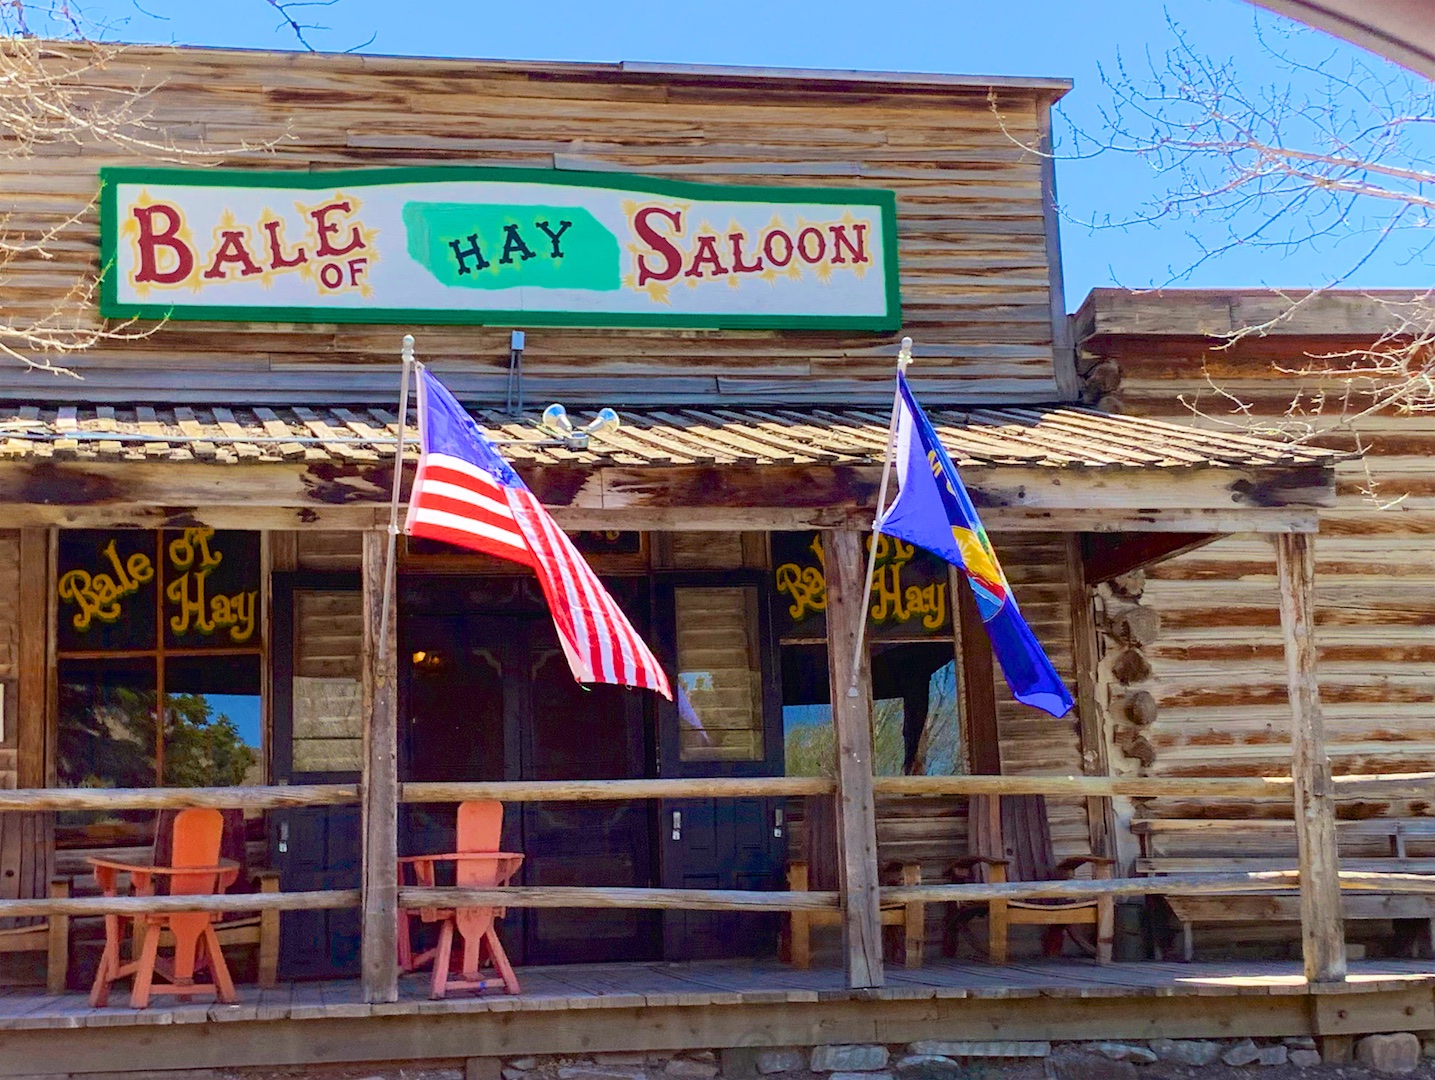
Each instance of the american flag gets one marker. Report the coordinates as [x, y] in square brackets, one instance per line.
[465, 493]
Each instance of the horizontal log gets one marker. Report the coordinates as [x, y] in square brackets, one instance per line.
[593, 790]
[220, 798]
[181, 512]
[1089, 889]
[1139, 787]
[568, 896]
[1387, 881]
[154, 905]
[1403, 785]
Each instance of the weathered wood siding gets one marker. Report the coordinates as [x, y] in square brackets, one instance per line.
[9, 658]
[1218, 668]
[975, 233]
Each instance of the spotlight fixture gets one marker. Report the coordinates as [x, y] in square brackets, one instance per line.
[556, 423]
[555, 420]
[605, 423]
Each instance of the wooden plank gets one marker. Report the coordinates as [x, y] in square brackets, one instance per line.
[1088, 888]
[1137, 787]
[316, 900]
[1322, 929]
[979, 692]
[33, 680]
[1062, 347]
[223, 798]
[602, 790]
[379, 787]
[1230, 493]
[350, 514]
[450, 1030]
[851, 690]
[567, 896]
[1090, 724]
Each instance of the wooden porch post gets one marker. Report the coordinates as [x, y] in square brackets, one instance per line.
[852, 717]
[379, 788]
[1322, 927]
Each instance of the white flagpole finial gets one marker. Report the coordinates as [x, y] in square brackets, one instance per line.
[408, 349]
[904, 354]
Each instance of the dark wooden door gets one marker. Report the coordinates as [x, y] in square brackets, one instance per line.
[726, 721]
[575, 732]
[317, 637]
[490, 697]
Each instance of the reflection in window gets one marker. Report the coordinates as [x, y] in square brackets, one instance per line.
[106, 734]
[915, 733]
[719, 683]
[212, 722]
[168, 616]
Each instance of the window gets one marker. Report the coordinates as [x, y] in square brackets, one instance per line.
[150, 617]
[719, 685]
[916, 726]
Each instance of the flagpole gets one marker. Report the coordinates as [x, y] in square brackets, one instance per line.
[904, 357]
[408, 358]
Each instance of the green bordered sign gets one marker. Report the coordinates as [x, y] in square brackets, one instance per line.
[523, 247]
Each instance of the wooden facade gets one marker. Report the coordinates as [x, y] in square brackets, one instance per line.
[980, 277]
[281, 438]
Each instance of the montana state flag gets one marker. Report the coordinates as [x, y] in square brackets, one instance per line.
[933, 511]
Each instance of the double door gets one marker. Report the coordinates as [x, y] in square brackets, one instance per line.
[490, 697]
[486, 695]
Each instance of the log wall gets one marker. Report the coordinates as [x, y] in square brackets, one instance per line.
[1216, 666]
[976, 234]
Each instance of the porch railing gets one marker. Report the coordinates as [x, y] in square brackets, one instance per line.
[1410, 785]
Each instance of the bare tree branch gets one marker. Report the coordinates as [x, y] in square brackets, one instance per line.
[55, 93]
[1332, 157]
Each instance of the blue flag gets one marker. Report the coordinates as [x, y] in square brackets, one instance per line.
[933, 511]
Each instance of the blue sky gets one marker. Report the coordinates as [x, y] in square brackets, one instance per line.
[1012, 37]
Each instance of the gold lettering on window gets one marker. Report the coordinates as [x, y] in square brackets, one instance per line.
[892, 600]
[98, 595]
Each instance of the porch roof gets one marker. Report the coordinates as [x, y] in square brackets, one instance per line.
[1052, 437]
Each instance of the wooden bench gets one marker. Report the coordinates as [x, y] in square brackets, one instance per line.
[1230, 836]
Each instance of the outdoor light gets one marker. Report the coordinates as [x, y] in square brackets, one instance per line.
[556, 422]
[555, 419]
[604, 423]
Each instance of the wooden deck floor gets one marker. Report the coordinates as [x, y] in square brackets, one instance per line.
[626, 986]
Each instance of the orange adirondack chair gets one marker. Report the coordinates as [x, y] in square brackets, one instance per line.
[196, 870]
[478, 864]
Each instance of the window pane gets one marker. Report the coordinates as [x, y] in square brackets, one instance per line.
[916, 723]
[106, 584]
[809, 741]
[328, 689]
[106, 735]
[211, 589]
[942, 753]
[719, 687]
[212, 722]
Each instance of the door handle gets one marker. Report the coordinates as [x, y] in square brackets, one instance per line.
[777, 823]
[283, 837]
[677, 824]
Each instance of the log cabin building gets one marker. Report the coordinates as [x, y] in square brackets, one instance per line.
[193, 538]
[1210, 679]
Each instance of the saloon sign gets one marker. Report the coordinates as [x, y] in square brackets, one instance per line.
[494, 246]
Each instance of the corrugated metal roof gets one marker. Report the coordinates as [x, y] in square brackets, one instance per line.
[1050, 438]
